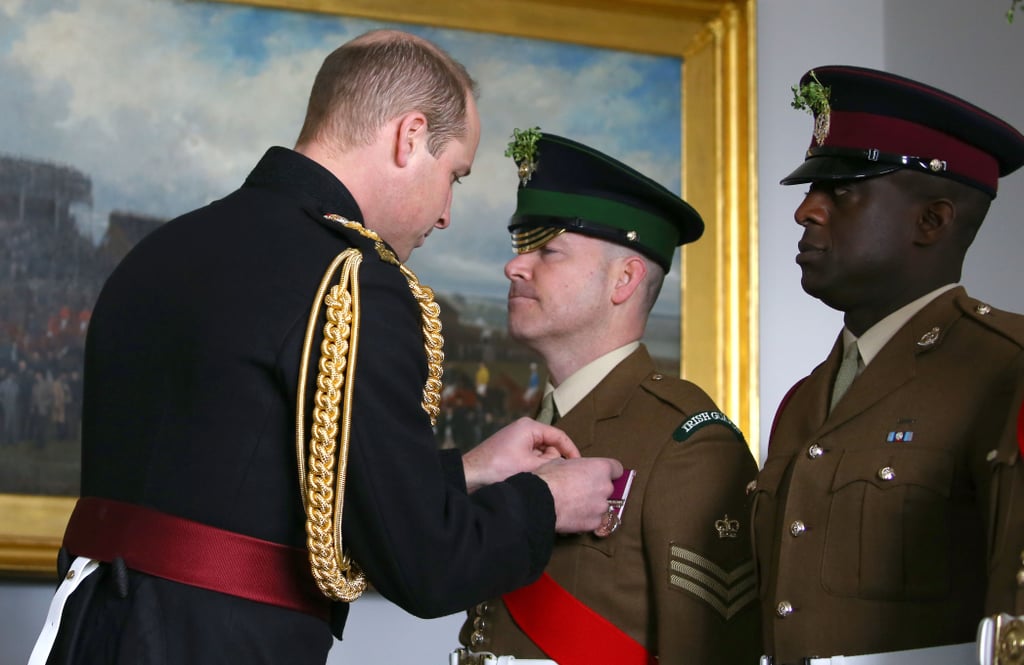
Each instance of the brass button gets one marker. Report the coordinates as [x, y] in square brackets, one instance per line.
[751, 486]
[983, 309]
[480, 623]
[815, 451]
[797, 528]
[477, 639]
[886, 473]
[70, 575]
[1020, 577]
[992, 454]
[784, 609]
[657, 377]
[483, 608]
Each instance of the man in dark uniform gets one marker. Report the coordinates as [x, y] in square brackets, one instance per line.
[264, 366]
[671, 579]
[889, 506]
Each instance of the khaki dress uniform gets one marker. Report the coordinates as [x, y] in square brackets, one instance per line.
[877, 527]
[1006, 564]
[676, 576]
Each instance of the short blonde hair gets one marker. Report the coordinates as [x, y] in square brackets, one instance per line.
[379, 76]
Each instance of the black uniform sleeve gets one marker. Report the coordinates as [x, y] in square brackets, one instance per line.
[424, 543]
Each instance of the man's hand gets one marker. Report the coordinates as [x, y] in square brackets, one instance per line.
[525, 445]
[581, 488]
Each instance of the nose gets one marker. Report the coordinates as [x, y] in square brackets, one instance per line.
[813, 209]
[517, 267]
[445, 220]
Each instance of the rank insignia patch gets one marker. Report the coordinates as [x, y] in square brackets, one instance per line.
[727, 528]
[900, 437]
[727, 591]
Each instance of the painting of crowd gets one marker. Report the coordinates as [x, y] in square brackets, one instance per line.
[489, 380]
[52, 272]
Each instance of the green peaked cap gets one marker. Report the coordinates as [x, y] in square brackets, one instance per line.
[567, 186]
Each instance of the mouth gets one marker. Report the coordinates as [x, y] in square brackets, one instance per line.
[808, 252]
[515, 295]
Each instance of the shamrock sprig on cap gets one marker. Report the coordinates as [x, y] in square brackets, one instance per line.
[813, 97]
[523, 151]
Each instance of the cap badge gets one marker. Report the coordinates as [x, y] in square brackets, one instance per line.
[523, 151]
[631, 236]
[813, 97]
[929, 338]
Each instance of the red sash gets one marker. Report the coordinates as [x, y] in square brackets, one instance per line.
[568, 631]
[195, 554]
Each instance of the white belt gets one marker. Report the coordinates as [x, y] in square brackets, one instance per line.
[80, 569]
[466, 657]
[954, 654]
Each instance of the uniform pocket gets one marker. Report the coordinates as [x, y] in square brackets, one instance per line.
[888, 535]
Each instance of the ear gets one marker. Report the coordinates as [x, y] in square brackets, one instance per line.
[410, 132]
[628, 277]
[935, 221]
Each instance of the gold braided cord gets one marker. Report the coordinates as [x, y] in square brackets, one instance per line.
[322, 485]
[430, 314]
[433, 343]
[337, 576]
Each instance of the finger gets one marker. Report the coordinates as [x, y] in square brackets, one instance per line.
[560, 441]
[549, 453]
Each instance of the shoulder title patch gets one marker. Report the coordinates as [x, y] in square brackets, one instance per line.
[701, 420]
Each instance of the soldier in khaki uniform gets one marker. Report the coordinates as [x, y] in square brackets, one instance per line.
[672, 579]
[890, 502]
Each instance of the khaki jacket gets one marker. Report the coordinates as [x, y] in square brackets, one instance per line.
[879, 527]
[666, 577]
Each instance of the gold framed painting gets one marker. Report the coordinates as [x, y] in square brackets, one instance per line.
[712, 44]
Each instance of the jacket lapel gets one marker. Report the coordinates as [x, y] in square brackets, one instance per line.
[607, 400]
[897, 362]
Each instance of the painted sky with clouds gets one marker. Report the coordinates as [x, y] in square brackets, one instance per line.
[167, 105]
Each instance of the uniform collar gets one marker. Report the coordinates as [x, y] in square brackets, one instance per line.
[296, 175]
[585, 379]
[878, 335]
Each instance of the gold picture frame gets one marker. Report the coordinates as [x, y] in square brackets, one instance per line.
[715, 40]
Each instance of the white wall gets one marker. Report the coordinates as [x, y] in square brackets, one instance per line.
[794, 36]
[963, 46]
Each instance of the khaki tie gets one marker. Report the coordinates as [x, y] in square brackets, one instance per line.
[548, 413]
[848, 371]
